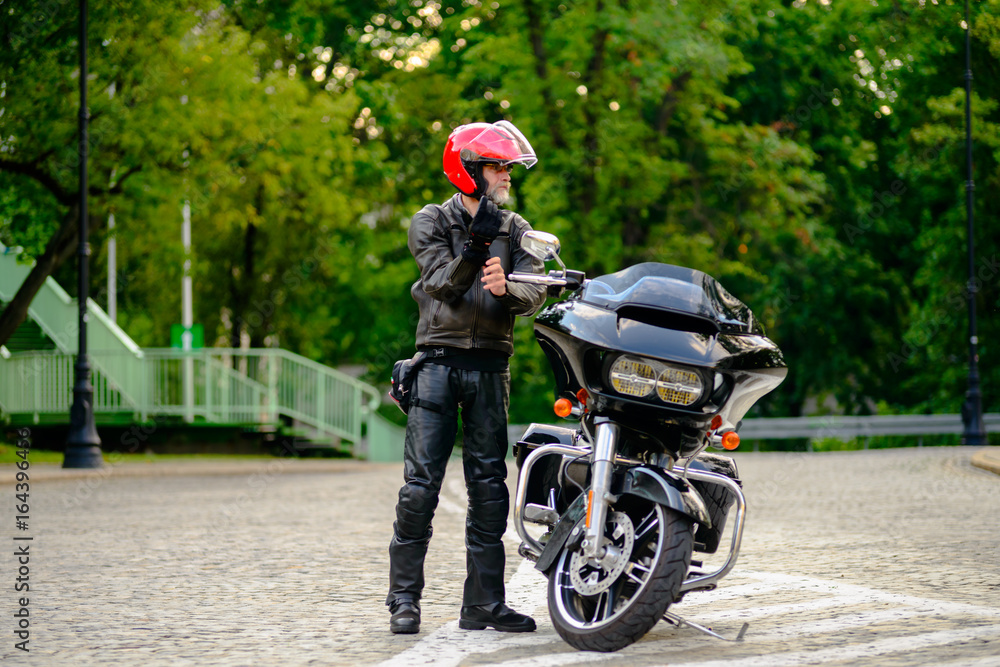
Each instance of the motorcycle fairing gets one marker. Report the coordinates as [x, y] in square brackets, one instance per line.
[595, 327]
[668, 288]
[665, 312]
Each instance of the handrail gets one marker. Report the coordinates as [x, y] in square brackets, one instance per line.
[56, 312]
[216, 385]
[375, 396]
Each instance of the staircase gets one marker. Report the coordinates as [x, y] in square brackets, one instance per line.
[29, 336]
[257, 389]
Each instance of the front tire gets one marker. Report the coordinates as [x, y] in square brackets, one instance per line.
[607, 605]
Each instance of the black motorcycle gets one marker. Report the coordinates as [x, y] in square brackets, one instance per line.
[657, 363]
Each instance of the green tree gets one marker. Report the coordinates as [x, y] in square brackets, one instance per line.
[862, 89]
[808, 154]
[182, 112]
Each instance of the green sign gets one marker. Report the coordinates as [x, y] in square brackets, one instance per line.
[197, 336]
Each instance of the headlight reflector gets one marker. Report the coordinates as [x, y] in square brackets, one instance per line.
[632, 376]
[675, 385]
[637, 378]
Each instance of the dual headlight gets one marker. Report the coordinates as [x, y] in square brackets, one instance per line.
[637, 377]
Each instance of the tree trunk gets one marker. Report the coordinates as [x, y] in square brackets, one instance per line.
[670, 99]
[242, 287]
[536, 35]
[593, 77]
[59, 248]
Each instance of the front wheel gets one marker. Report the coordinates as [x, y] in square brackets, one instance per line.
[608, 603]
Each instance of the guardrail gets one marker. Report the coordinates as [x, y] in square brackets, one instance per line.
[846, 427]
[842, 427]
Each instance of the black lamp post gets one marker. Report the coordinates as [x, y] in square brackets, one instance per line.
[973, 432]
[83, 445]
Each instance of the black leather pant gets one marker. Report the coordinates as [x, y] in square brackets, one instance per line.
[430, 437]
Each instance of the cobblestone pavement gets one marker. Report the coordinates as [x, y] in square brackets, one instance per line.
[887, 557]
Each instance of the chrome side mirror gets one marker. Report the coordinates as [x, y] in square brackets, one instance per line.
[541, 245]
[545, 246]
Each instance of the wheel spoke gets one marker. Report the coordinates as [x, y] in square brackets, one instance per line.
[615, 593]
[648, 523]
[640, 566]
[642, 569]
[597, 607]
[638, 580]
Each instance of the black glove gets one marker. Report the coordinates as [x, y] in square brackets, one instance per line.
[486, 225]
[474, 254]
[484, 229]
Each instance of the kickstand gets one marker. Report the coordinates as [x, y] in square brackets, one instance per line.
[674, 619]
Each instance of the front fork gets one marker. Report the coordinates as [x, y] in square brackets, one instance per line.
[599, 497]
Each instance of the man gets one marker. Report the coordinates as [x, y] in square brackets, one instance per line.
[464, 248]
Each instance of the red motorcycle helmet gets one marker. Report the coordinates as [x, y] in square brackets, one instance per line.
[471, 146]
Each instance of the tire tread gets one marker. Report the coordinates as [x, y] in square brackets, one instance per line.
[648, 610]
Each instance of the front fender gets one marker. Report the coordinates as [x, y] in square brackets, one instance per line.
[650, 483]
[664, 488]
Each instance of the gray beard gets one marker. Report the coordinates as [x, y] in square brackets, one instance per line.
[498, 197]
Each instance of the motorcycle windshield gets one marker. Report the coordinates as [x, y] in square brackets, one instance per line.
[663, 288]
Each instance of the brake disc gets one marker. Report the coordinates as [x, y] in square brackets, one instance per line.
[591, 576]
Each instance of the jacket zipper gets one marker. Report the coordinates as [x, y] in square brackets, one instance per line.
[475, 312]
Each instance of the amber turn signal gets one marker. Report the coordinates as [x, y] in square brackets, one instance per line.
[563, 407]
[731, 440]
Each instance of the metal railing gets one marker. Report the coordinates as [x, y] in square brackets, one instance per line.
[847, 427]
[253, 387]
[841, 427]
[41, 384]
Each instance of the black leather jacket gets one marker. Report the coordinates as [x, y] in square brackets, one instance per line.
[455, 310]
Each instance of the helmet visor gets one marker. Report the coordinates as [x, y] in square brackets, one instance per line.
[500, 142]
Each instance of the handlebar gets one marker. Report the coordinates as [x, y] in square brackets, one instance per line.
[569, 279]
[537, 279]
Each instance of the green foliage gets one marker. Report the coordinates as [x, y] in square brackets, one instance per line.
[810, 155]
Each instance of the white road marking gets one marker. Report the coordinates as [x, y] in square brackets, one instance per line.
[449, 646]
[838, 595]
[988, 661]
[840, 623]
[857, 594]
[758, 611]
[837, 654]
[842, 652]
[557, 659]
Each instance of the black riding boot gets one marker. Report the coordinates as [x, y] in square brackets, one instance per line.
[430, 437]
